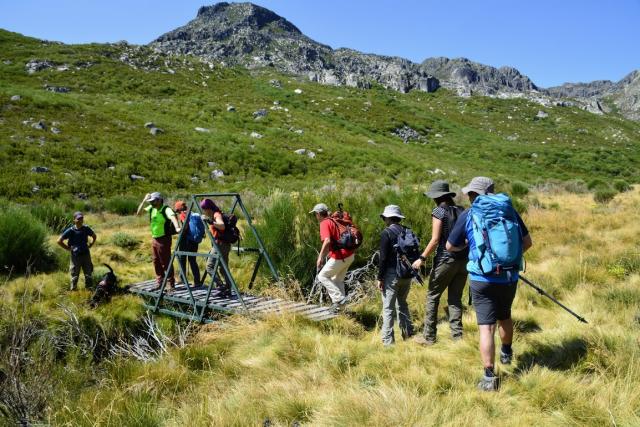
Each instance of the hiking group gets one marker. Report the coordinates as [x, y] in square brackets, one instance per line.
[485, 242]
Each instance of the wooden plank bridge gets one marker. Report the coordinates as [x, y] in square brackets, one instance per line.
[181, 304]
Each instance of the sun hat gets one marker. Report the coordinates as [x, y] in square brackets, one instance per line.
[155, 196]
[319, 208]
[392, 211]
[438, 189]
[480, 185]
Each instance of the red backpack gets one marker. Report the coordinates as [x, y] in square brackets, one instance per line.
[350, 235]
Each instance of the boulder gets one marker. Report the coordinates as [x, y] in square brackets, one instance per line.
[300, 151]
[203, 130]
[257, 115]
[15, 98]
[35, 189]
[255, 135]
[135, 178]
[35, 65]
[40, 125]
[542, 115]
[40, 169]
[216, 174]
[55, 131]
[155, 131]
[408, 134]
[298, 91]
[57, 89]
[149, 125]
[195, 179]
[211, 164]
[231, 108]
[275, 83]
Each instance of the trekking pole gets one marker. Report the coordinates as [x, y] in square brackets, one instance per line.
[543, 292]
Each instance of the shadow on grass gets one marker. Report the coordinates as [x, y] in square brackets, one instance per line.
[558, 357]
[526, 326]
[366, 317]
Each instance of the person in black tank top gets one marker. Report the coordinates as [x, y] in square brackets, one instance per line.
[449, 269]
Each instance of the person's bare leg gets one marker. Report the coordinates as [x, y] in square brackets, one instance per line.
[487, 345]
[505, 329]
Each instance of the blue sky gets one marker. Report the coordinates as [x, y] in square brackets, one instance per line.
[550, 41]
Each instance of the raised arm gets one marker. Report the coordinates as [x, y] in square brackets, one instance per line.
[141, 206]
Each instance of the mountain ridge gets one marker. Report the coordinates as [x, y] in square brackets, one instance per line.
[252, 36]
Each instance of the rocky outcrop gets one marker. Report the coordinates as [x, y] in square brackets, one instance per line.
[252, 36]
[468, 77]
[597, 96]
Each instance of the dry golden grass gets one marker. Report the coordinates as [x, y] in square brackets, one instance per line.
[286, 369]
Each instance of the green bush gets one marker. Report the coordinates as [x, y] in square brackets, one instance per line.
[519, 189]
[24, 241]
[604, 195]
[124, 240]
[53, 215]
[122, 205]
[596, 184]
[621, 185]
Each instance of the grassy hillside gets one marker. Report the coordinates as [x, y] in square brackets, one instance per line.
[64, 364]
[102, 139]
[282, 370]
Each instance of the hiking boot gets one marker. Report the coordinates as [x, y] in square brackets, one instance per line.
[505, 358]
[421, 340]
[488, 383]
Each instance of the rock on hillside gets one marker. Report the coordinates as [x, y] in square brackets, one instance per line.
[466, 76]
[624, 94]
[252, 36]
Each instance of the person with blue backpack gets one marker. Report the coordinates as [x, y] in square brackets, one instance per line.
[191, 237]
[399, 247]
[496, 238]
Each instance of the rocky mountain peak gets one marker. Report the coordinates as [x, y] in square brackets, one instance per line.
[244, 15]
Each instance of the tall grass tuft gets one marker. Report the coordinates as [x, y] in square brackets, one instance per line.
[121, 205]
[53, 215]
[24, 241]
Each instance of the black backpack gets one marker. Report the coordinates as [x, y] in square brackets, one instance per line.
[231, 233]
[406, 244]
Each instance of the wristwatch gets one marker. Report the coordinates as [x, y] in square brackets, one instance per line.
[422, 258]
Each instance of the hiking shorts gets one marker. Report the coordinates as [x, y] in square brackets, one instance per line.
[492, 301]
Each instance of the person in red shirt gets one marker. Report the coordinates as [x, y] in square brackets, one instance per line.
[217, 226]
[332, 272]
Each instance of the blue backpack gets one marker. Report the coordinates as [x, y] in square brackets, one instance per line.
[497, 234]
[196, 228]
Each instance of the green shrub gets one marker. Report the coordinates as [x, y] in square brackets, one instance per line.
[124, 240]
[53, 215]
[604, 195]
[621, 185]
[24, 241]
[122, 205]
[519, 189]
[576, 186]
[597, 183]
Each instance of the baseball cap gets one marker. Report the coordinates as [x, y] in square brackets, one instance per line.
[78, 215]
[319, 208]
[180, 206]
[480, 185]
